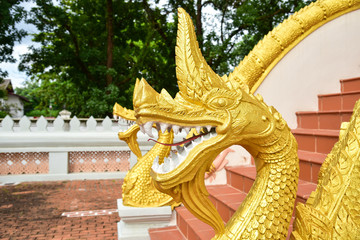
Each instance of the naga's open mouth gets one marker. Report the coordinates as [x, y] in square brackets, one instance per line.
[181, 149]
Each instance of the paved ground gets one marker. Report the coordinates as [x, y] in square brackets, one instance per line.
[34, 210]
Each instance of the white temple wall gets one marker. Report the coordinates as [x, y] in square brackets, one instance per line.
[314, 66]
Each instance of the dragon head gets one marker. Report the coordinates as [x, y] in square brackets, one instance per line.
[221, 109]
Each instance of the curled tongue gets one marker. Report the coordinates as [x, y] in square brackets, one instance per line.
[179, 143]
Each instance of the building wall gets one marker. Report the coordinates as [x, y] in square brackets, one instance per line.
[17, 106]
[314, 66]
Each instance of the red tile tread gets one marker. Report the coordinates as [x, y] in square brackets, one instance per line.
[316, 140]
[311, 157]
[191, 227]
[323, 119]
[338, 101]
[316, 132]
[165, 233]
[351, 84]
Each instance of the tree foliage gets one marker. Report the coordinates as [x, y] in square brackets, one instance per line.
[92, 52]
[10, 13]
[98, 67]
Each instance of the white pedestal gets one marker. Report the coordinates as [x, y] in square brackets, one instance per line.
[135, 222]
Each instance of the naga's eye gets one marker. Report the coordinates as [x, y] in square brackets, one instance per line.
[222, 99]
[220, 102]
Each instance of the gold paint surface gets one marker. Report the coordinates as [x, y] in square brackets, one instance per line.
[138, 189]
[238, 117]
[333, 209]
[227, 105]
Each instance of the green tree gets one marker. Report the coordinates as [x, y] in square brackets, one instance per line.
[92, 51]
[10, 13]
[99, 49]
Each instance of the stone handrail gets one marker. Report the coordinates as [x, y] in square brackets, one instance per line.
[41, 124]
[70, 148]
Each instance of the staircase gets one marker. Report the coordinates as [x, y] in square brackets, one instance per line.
[316, 134]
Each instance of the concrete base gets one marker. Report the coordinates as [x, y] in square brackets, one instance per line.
[135, 222]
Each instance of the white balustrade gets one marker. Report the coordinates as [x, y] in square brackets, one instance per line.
[57, 139]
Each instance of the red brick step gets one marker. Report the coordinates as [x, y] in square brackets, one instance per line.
[316, 140]
[350, 85]
[338, 101]
[323, 119]
[165, 233]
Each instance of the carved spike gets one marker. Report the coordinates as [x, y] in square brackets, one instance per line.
[165, 99]
[123, 112]
[191, 66]
[144, 94]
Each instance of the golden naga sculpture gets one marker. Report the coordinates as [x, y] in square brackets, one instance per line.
[333, 209]
[138, 189]
[225, 113]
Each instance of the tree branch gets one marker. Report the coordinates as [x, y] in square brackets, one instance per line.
[150, 14]
[82, 65]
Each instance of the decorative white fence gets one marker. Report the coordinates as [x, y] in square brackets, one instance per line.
[57, 149]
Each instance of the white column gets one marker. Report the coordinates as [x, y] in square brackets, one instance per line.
[58, 162]
[135, 222]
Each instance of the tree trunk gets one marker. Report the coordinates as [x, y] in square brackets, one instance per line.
[110, 35]
[199, 30]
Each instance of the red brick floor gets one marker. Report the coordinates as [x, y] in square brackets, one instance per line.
[33, 210]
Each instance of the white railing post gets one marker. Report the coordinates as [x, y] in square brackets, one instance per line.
[91, 124]
[59, 125]
[74, 124]
[24, 124]
[7, 124]
[107, 124]
[41, 124]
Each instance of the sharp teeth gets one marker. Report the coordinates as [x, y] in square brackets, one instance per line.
[179, 149]
[187, 129]
[183, 153]
[174, 156]
[208, 128]
[207, 136]
[198, 140]
[166, 165]
[163, 127]
[159, 170]
[176, 129]
[148, 128]
[174, 161]
[155, 165]
[198, 129]
[213, 134]
[142, 129]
